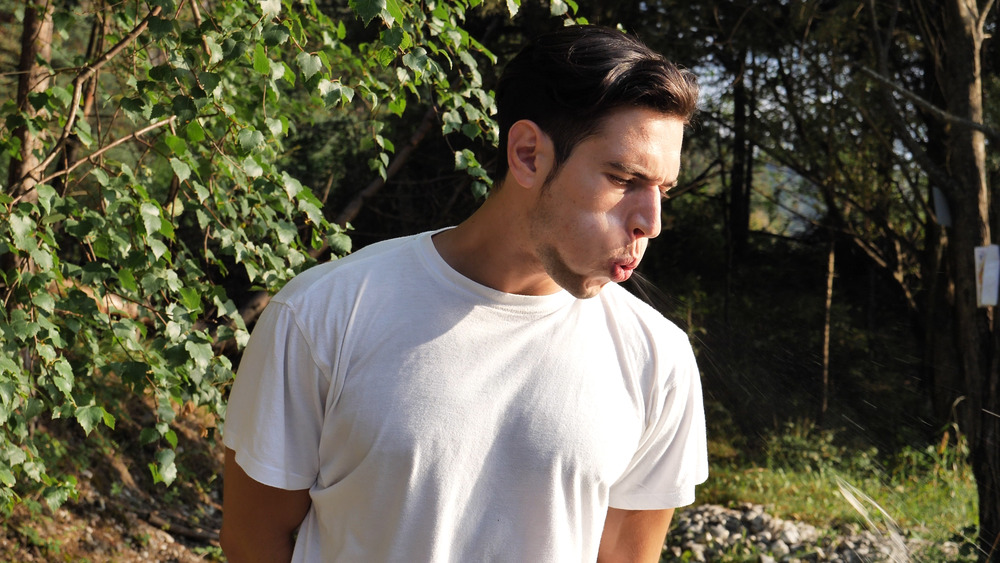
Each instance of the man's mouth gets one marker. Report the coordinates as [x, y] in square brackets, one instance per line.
[622, 269]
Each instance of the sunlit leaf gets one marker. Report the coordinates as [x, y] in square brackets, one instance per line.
[308, 64]
[182, 170]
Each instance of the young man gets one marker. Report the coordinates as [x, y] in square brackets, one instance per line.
[483, 393]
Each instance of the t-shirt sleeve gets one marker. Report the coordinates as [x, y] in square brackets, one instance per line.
[672, 456]
[275, 411]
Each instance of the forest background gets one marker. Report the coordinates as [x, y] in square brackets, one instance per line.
[168, 165]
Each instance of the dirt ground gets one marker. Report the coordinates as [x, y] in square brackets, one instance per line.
[119, 514]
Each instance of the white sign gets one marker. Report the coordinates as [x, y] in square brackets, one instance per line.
[941, 209]
[987, 275]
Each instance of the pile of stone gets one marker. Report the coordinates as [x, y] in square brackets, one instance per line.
[716, 533]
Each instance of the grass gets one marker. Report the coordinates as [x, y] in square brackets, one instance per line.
[802, 474]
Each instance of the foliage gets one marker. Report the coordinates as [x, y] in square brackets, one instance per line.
[158, 195]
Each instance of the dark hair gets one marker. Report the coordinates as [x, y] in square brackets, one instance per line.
[569, 80]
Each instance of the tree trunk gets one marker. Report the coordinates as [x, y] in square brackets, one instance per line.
[831, 272]
[976, 328]
[739, 192]
[36, 43]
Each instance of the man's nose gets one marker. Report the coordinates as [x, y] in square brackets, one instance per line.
[646, 216]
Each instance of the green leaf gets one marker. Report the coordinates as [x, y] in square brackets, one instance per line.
[150, 217]
[136, 108]
[64, 95]
[368, 9]
[291, 184]
[271, 8]
[286, 231]
[513, 6]
[164, 471]
[385, 56]
[277, 69]
[311, 210]
[82, 132]
[6, 476]
[7, 390]
[275, 126]
[148, 436]
[393, 12]
[175, 143]
[167, 5]
[44, 301]
[56, 496]
[182, 170]
[161, 73]
[195, 132]
[233, 48]
[393, 38]
[340, 243]
[91, 415]
[201, 353]
[22, 228]
[38, 100]
[251, 167]
[214, 49]
[416, 60]
[260, 62]
[335, 93]
[275, 34]
[159, 26]
[184, 108]
[64, 376]
[191, 299]
[308, 64]
[250, 139]
[209, 82]
[46, 195]
[127, 280]
[157, 246]
[397, 105]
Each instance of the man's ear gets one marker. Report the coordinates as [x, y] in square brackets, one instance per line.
[530, 154]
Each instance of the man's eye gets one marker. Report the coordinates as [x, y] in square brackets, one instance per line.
[618, 180]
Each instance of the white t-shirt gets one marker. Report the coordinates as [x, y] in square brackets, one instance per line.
[436, 419]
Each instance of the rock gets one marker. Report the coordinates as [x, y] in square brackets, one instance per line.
[789, 534]
[708, 531]
[780, 548]
[719, 532]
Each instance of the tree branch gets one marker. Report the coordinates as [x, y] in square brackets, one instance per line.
[106, 148]
[256, 303]
[983, 14]
[354, 206]
[939, 113]
[79, 82]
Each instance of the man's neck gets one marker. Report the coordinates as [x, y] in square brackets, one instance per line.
[493, 248]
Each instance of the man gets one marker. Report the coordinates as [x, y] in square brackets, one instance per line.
[483, 393]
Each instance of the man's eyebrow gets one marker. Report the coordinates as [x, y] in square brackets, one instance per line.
[636, 172]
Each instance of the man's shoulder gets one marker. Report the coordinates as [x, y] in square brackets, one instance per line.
[371, 261]
[631, 312]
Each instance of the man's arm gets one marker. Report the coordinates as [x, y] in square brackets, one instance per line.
[258, 521]
[634, 535]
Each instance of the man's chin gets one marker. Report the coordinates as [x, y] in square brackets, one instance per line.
[587, 290]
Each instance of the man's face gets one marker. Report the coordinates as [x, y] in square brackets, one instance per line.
[592, 222]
